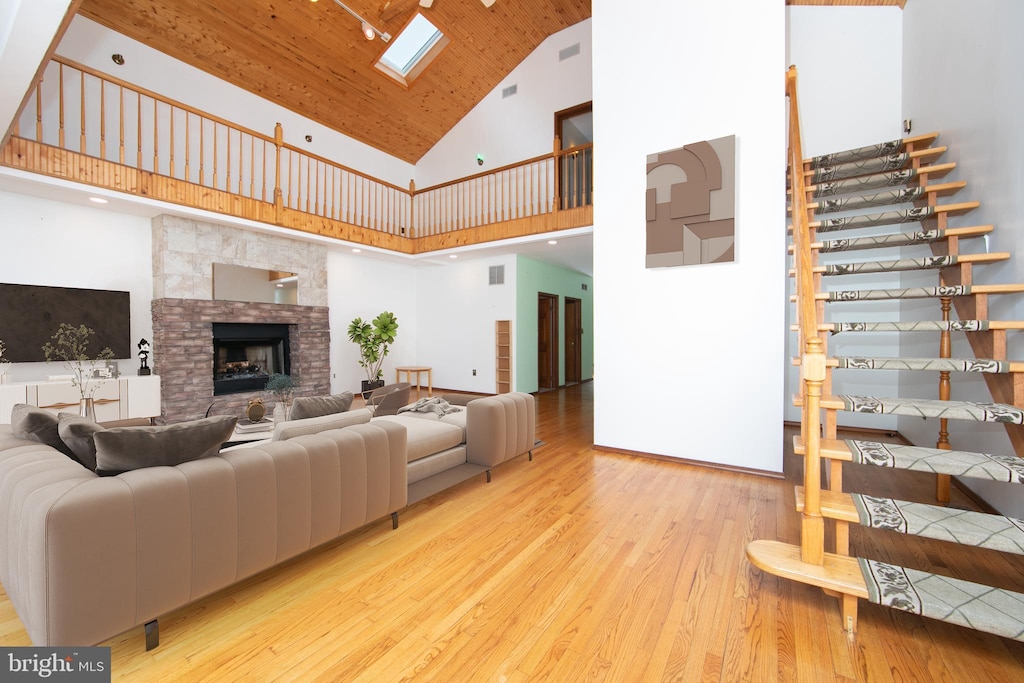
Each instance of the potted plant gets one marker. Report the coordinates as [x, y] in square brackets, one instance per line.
[373, 339]
[282, 388]
[71, 345]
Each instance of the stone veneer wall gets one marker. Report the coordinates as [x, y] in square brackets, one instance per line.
[184, 251]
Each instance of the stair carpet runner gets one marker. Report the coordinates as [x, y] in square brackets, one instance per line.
[856, 173]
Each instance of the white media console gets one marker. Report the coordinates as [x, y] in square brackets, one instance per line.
[124, 398]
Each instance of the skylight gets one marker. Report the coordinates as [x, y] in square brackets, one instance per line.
[411, 45]
[414, 48]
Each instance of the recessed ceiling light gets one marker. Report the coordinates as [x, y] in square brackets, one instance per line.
[357, 251]
[279, 284]
[98, 200]
[552, 241]
[453, 256]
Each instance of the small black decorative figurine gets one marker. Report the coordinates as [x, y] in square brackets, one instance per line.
[144, 357]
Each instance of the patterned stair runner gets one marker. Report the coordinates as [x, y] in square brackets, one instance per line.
[908, 293]
[880, 149]
[899, 239]
[882, 164]
[865, 183]
[939, 597]
[926, 263]
[952, 410]
[913, 326]
[866, 201]
[965, 527]
[1007, 468]
[871, 220]
[934, 364]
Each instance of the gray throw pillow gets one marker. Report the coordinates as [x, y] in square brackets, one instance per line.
[315, 406]
[121, 449]
[77, 434]
[36, 424]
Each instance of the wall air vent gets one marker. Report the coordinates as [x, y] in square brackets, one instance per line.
[567, 52]
[496, 275]
[509, 91]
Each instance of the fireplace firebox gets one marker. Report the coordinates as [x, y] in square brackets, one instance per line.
[245, 355]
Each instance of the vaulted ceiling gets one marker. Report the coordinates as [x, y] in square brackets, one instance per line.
[311, 57]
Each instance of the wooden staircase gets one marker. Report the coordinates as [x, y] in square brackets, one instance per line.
[880, 189]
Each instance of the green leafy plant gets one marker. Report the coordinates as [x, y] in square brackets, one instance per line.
[71, 345]
[282, 387]
[374, 339]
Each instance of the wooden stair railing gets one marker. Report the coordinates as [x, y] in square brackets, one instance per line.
[863, 179]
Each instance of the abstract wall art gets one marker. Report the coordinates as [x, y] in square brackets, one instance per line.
[691, 204]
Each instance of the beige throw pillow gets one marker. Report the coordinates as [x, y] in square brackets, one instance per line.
[315, 406]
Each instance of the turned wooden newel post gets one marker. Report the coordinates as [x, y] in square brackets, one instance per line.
[278, 204]
[812, 544]
[558, 174]
[412, 208]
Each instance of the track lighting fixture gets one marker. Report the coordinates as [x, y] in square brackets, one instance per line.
[369, 30]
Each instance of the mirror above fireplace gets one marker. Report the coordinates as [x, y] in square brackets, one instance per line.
[259, 285]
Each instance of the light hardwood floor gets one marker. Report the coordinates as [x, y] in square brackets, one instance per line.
[579, 565]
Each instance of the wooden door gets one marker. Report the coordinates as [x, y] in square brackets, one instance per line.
[547, 341]
[573, 335]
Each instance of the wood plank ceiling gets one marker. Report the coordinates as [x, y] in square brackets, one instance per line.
[311, 58]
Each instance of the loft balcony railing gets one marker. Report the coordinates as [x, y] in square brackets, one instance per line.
[89, 127]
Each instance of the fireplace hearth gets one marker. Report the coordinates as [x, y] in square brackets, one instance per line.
[245, 355]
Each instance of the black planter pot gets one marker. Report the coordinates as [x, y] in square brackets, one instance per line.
[368, 386]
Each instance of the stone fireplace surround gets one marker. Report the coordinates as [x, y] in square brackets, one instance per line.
[184, 311]
[183, 352]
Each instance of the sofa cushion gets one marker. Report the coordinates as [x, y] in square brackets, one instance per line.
[425, 437]
[315, 406]
[36, 424]
[121, 449]
[313, 425]
[77, 433]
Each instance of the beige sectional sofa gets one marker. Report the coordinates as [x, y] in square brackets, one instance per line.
[84, 557]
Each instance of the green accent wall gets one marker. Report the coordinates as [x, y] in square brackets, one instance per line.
[532, 278]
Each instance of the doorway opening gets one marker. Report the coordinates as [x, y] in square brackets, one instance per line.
[547, 341]
[574, 128]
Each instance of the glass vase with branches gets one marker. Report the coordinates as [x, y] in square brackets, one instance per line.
[70, 344]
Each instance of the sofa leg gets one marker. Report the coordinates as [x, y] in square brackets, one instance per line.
[488, 476]
[531, 456]
[394, 520]
[152, 635]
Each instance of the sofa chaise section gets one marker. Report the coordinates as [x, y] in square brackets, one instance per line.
[86, 557]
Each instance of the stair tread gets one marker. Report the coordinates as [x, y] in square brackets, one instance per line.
[895, 265]
[984, 608]
[870, 166]
[898, 239]
[869, 151]
[852, 202]
[892, 217]
[919, 407]
[878, 181]
[991, 467]
[921, 326]
[985, 365]
[916, 292]
[966, 527]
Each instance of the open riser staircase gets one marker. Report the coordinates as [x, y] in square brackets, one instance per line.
[886, 196]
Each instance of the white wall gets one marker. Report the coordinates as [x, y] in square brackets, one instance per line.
[362, 286]
[681, 337]
[457, 310]
[62, 245]
[92, 44]
[522, 126]
[962, 77]
[850, 91]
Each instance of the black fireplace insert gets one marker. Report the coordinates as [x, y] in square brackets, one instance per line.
[245, 355]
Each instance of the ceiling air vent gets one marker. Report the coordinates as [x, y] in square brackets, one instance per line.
[496, 275]
[509, 91]
[567, 52]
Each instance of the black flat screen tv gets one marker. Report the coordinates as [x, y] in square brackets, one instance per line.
[30, 315]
